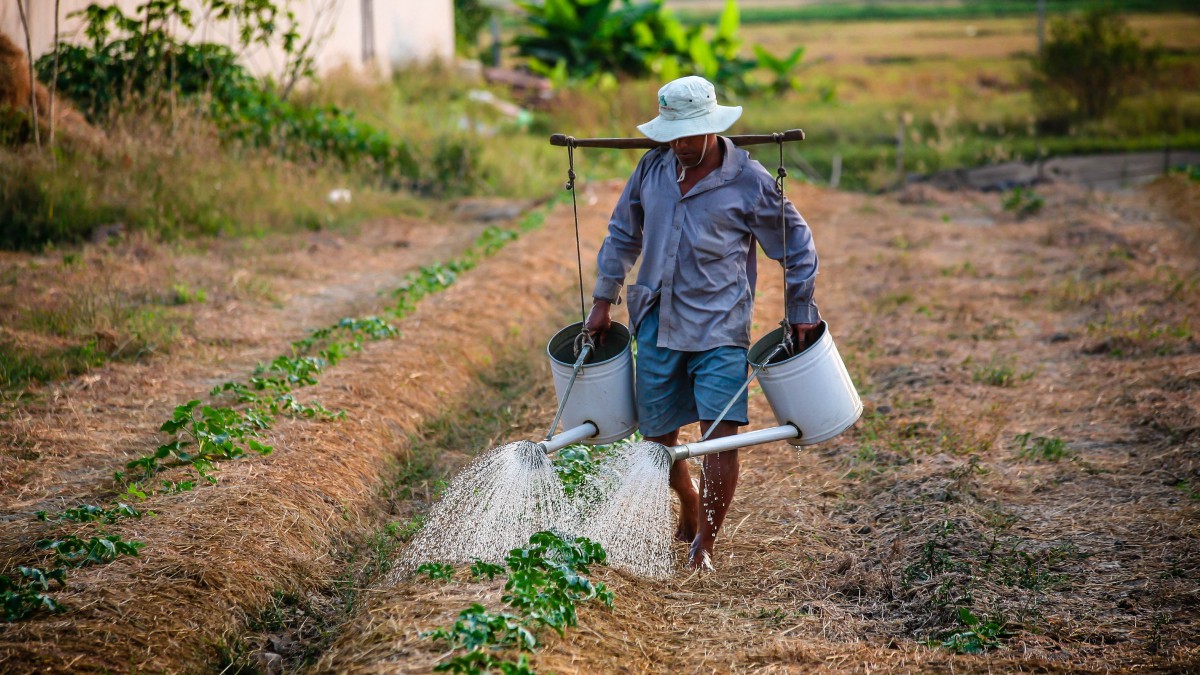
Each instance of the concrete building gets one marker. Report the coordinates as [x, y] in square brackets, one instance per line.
[374, 36]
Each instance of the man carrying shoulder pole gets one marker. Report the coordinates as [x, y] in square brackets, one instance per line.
[693, 211]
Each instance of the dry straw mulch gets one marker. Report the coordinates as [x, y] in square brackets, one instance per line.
[965, 327]
[214, 556]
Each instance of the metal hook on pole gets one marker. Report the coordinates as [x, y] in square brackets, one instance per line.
[575, 210]
[583, 346]
[788, 343]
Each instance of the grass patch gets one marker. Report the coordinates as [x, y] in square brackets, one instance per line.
[967, 574]
[1134, 333]
[1190, 488]
[1042, 448]
[170, 181]
[69, 333]
[999, 371]
[894, 11]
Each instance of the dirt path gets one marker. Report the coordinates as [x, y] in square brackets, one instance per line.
[963, 328]
[1075, 549]
[258, 302]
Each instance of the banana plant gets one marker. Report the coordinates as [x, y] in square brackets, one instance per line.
[780, 68]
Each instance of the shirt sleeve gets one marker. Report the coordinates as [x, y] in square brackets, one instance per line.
[801, 263]
[623, 244]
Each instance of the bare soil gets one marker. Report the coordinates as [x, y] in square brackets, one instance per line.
[965, 328]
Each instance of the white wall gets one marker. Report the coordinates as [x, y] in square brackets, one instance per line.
[404, 31]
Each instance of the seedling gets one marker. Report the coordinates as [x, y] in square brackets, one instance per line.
[88, 513]
[1023, 201]
[978, 636]
[544, 585]
[477, 662]
[1190, 488]
[480, 568]
[98, 550]
[574, 465]
[203, 437]
[27, 594]
[437, 571]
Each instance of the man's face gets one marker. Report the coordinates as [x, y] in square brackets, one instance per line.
[689, 149]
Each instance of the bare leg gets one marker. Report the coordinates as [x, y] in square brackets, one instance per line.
[717, 487]
[681, 483]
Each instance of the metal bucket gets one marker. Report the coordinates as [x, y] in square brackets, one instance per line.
[603, 390]
[810, 390]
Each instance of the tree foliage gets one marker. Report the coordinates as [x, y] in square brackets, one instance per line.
[1092, 60]
[470, 17]
[140, 54]
[584, 39]
[138, 59]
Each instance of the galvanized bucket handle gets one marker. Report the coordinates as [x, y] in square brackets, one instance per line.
[583, 347]
[758, 368]
[787, 344]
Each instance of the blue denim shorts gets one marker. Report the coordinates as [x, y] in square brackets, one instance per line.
[677, 388]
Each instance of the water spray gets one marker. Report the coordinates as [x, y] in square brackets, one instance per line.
[514, 490]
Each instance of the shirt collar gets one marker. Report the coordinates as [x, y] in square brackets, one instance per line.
[731, 166]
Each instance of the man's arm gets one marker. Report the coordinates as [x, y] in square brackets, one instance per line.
[800, 266]
[619, 251]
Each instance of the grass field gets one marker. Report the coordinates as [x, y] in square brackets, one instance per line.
[962, 85]
[782, 11]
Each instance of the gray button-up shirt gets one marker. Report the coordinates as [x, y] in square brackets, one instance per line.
[698, 257]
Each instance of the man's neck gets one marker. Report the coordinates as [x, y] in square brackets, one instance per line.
[713, 157]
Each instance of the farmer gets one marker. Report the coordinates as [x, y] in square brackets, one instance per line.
[692, 211]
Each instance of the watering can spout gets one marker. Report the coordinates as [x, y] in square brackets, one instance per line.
[780, 433]
[570, 436]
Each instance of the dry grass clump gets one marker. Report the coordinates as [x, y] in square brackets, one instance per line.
[1182, 195]
[15, 107]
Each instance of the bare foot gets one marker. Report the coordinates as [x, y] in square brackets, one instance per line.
[700, 560]
[700, 555]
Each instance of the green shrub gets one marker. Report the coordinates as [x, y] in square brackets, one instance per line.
[1090, 63]
[137, 62]
[1023, 201]
[470, 16]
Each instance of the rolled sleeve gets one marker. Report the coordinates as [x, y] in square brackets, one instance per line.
[607, 289]
[803, 311]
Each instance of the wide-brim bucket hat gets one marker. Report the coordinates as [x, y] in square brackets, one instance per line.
[688, 107]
